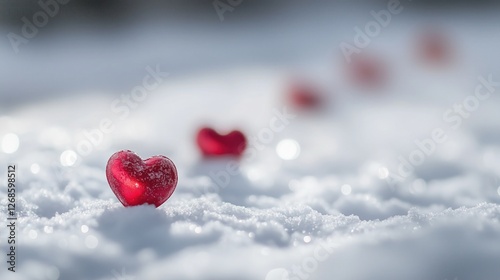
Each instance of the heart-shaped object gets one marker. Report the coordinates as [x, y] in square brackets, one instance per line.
[137, 182]
[434, 47]
[304, 97]
[211, 143]
[367, 71]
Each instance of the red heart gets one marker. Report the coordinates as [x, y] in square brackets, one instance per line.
[367, 71]
[137, 182]
[212, 143]
[304, 97]
[434, 47]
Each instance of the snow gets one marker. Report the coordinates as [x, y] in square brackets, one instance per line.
[311, 201]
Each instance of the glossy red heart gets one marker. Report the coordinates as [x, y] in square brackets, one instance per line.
[137, 182]
[211, 143]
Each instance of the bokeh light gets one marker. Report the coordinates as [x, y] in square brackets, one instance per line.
[10, 143]
[33, 234]
[91, 242]
[288, 149]
[35, 168]
[84, 228]
[346, 189]
[48, 229]
[68, 158]
[383, 172]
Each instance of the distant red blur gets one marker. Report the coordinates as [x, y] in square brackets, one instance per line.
[213, 144]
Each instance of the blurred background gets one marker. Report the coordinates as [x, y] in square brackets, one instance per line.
[105, 45]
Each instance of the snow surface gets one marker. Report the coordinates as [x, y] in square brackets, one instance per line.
[328, 213]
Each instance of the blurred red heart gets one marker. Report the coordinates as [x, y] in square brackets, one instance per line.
[304, 97]
[434, 47]
[212, 143]
[367, 71]
[137, 182]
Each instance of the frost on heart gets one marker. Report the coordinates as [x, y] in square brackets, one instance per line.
[137, 182]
